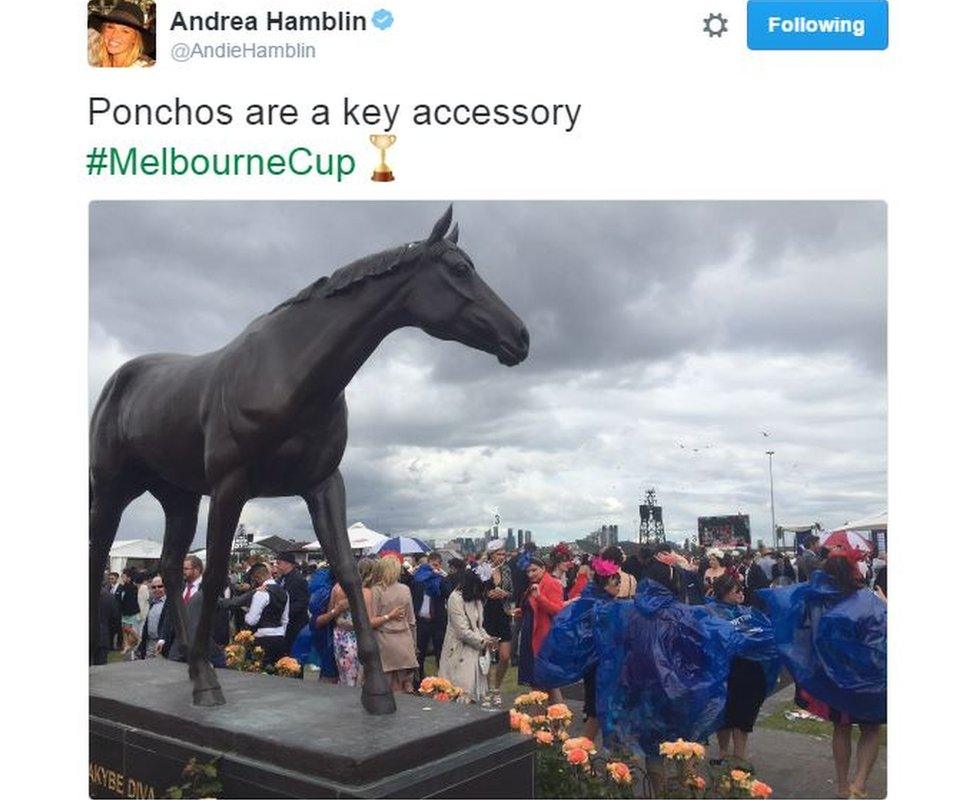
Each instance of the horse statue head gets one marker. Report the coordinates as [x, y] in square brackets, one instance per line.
[446, 298]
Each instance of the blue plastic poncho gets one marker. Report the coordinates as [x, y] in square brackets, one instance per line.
[571, 646]
[834, 645]
[429, 580]
[757, 633]
[667, 672]
[315, 644]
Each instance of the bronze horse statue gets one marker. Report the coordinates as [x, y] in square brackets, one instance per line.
[265, 416]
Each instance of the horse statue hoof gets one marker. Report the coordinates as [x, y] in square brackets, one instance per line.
[208, 697]
[379, 703]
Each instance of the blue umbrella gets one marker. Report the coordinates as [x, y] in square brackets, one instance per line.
[405, 545]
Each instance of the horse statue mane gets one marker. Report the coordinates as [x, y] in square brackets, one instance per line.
[374, 266]
[371, 266]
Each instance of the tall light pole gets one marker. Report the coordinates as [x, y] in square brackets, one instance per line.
[772, 505]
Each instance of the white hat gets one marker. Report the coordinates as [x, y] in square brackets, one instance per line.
[495, 544]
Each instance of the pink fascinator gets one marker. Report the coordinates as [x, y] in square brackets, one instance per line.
[604, 567]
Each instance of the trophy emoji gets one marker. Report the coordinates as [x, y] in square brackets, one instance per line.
[382, 141]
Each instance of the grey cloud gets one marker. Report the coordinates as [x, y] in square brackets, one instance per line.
[652, 324]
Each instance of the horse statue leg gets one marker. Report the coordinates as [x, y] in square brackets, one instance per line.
[226, 503]
[327, 507]
[106, 502]
[181, 509]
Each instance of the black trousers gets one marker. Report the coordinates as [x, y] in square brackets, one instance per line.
[427, 632]
[274, 648]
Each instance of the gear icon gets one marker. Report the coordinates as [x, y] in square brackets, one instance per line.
[715, 25]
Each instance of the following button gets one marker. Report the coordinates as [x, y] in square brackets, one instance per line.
[800, 25]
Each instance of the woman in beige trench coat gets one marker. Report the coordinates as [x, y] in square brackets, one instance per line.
[466, 638]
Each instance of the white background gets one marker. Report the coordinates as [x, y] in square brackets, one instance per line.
[668, 114]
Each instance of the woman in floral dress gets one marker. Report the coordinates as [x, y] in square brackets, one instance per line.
[344, 635]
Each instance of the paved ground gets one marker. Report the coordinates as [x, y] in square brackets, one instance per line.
[800, 764]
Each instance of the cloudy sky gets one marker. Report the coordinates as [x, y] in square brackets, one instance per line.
[666, 337]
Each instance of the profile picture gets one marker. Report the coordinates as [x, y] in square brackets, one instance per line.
[121, 34]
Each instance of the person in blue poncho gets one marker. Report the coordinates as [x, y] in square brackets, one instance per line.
[832, 635]
[571, 651]
[750, 679]
[665, 666]
[430, 589]
[672, 678]
[314, 642]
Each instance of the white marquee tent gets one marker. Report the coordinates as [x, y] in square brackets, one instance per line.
[360, 538]
[125, 550]
[878, 522]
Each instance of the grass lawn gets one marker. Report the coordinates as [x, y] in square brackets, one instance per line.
[822, 729]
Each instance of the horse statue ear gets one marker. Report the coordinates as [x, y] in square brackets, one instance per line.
[441, 226]
[452, 237]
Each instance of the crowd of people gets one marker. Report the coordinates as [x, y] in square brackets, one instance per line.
[667, 643]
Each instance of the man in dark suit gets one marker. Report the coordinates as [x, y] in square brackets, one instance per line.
[109, 619]
[192, 599]
[291, 580]
[756, 579]
[808, 561]
[155, 624]
[639, 565]
[113, 587]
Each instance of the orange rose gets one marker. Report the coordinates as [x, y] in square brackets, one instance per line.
[559, 711]
[580, 742]
[525, 728]
[514, 719]
[738, 775]
[543, 737]
[760, 789]
[578, 757]
[696, 781]
[442, 697]
[288, 664]
[619, 772]
[681, 749]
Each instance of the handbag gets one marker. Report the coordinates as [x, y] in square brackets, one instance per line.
[484, 662]
[484, 658]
